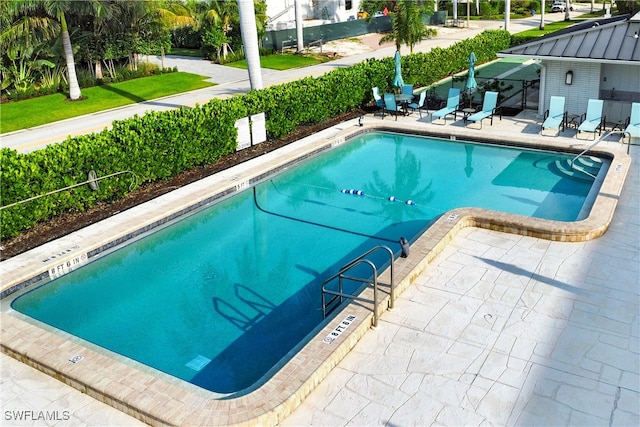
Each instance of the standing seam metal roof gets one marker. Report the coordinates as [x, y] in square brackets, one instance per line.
[614, 39]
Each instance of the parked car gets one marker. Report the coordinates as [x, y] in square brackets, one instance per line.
[560, 6]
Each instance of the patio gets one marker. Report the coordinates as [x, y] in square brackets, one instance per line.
[499, 329]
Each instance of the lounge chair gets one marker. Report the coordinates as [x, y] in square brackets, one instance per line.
[633, 127]
[592, 120]
[556, 116]
[489, 108]
[377, 97]
[420, 104]
[453, 101]
[390, 105]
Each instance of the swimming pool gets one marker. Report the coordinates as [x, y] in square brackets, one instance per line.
[200, 298]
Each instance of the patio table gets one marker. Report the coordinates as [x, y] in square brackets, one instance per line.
[404, 99]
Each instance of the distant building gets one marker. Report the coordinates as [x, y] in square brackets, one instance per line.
[281, 13]
[594, 60]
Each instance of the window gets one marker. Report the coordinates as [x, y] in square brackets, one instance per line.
[348, 4]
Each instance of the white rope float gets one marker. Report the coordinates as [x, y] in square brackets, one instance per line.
[390, 198]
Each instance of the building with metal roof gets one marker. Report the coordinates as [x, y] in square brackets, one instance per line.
[597, 59]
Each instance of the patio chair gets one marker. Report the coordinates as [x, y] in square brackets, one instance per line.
[390, 105]
[556, 116]
[407, 89]
[377, 97]
[489, 108]
[453, 101]
[633, 127]
[592, 120]
[418, 106]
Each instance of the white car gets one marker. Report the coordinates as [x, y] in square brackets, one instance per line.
[559, 6]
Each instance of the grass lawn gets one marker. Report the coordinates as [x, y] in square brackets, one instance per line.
[179, 51]
[51, 108]
[282, 62]
[548, 28]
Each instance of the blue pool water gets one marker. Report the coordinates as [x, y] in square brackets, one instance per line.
[220, 297]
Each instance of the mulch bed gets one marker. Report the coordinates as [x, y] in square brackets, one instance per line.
[67, 223]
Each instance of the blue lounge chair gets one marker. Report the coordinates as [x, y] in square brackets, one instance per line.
[420, 104]
[489, 108]
[453, 101]
[592, 120]
[556, 116]
[633, 127]
[390, 105]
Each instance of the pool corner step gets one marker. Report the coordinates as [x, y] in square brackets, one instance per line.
[582, 169]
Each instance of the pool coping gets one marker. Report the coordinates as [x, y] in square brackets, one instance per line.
[156, 400]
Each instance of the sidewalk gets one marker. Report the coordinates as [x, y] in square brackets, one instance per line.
[231, 81]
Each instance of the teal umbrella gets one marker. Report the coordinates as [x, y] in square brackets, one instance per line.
[471, 84]
[397, 78]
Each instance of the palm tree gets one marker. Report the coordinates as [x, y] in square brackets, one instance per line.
[406, 23]
[223, 14]
[139, 24]
[45, 18]
[250, 41]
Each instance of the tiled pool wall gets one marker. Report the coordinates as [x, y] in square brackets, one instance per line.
[156, 400]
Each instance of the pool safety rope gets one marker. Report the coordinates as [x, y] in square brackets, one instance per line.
[361, 193]
[344, 230]
[390, 198]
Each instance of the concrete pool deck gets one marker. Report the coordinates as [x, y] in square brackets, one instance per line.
[497, 328]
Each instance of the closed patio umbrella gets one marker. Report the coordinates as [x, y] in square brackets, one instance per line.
[471, 85]
[397, 78]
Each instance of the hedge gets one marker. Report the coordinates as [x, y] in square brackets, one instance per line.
[160, 145]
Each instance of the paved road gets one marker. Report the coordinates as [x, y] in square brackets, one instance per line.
[232, 81]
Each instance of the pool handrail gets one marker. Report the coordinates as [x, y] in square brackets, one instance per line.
[583, 152]
[341, 274]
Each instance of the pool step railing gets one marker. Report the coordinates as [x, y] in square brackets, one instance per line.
[332, 299]
[602, 138]
[583, 168]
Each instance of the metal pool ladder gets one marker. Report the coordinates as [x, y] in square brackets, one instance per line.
[336, 297]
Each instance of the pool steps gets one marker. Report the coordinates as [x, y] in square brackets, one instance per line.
[582, 168]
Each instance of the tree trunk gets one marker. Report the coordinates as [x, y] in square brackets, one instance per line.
[250, 41]
[507, 14]
[299, 29]
[98, 68]
[74, 87]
